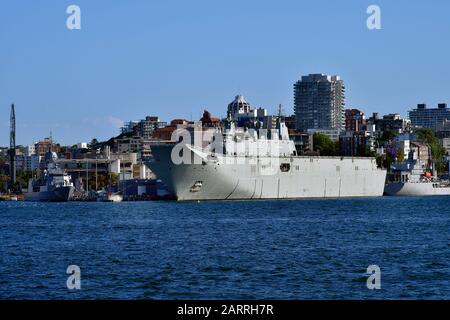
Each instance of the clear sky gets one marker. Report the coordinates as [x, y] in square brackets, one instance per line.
[174, 59]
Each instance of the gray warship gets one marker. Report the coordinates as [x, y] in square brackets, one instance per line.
[413, 178]
[247, 169]
[54, 186]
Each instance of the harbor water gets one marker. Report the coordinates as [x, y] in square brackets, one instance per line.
[302, 249]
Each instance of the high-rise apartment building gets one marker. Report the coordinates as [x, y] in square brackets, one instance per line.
[319, 102]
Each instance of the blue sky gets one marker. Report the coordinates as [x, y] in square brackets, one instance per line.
[175, 58]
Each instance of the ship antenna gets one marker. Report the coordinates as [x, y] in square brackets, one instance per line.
[280, 111]
[51, 142]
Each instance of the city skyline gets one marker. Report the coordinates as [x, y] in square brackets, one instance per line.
[174, 61]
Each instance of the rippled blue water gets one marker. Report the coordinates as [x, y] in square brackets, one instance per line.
[307, 249]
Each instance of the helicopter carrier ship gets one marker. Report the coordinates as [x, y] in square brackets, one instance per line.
[255, 166]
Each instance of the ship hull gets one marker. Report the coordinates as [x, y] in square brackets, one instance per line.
[415, 189]
[308, 177]
[60, 194]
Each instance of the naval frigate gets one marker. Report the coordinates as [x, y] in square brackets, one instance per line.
[54, 186]
[255, 166]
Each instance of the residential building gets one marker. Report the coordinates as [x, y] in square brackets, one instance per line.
[290, 122]
[402, 142]
[137, 145]
[164, 134]
[28, 162]
[303, 142]
[128, 127]
[355, 120]
[445, 142]
[143, 128]
[420, 151]
[146, 127]
[82, 145]
[28, 150]
[423, 117]
[238, 106]
[443, 129]
[208, 121]
[243, 114]
[389, 122]
[43, 146]
[319, 102]
[332, 134]
[352, 144]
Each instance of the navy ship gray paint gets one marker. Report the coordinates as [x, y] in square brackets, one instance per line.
[237, 174]
[54, 186]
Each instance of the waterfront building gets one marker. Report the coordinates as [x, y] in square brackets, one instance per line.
[355, 120]
[143, 128]
[128, 127]
[402, 142]
[443, 129]
[134, 144]
[125, 165]
[238, 106]
[33, 161]
[290, 122]
[303, 142]
[390, 122]
[146, 127]
[332, 134]
[443, 133]
[319, 102]
[354, 144]
[423, 117]
[420, 151]
[445, 142]
[28, 150]
[208, 121]
[28, 162]
[164, 134]
[43, 146]
[243, 114]
[82, 145]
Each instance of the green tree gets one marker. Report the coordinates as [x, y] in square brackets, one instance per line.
[324, 145]
[428, 136]
[387, 136]
[23, 177]
[103, 181]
